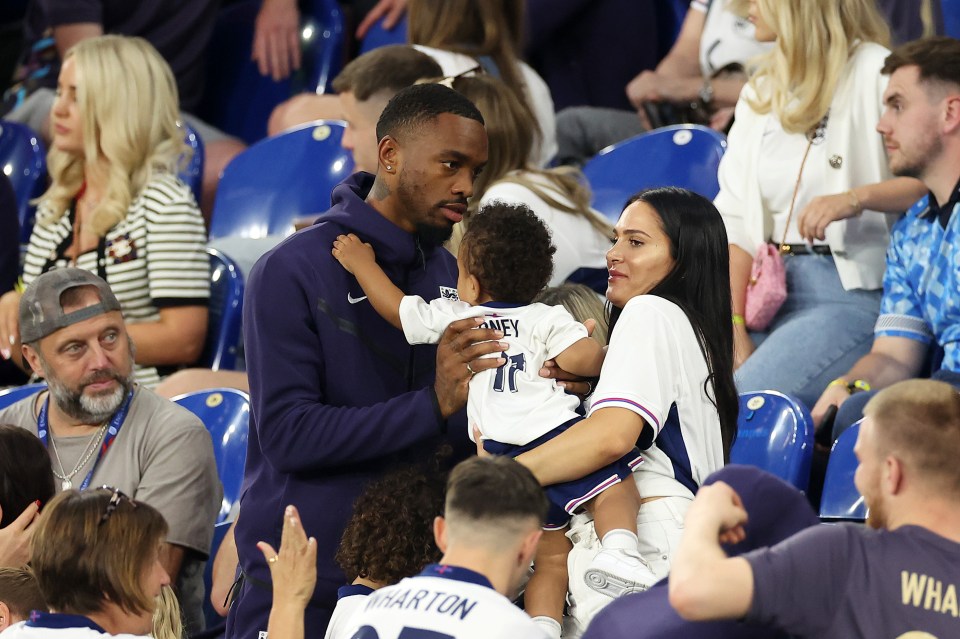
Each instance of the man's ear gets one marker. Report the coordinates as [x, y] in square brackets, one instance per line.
[951, 115]
[5, 620]
[388, 154]
[893, 475]
[529, 547]
[440, 533]
[32, 357]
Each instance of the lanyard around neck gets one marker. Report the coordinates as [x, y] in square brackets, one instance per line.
[116, 422]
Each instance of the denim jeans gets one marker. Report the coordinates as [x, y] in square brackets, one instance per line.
[817, 336]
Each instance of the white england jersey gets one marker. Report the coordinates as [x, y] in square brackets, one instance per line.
[442, 602]
[511, 404]
[654, 367]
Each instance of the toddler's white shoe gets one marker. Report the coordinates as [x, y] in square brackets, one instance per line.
[614, 573]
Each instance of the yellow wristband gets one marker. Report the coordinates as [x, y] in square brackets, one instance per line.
[739, 320]
[19, 286]
[839, 382]
[858, 385]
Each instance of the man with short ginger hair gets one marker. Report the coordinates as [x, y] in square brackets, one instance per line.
[895, 578]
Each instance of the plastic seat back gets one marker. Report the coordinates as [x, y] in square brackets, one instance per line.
[237, 99]
[280, 179]
[222, 346]
[23, 159]
[226, 414]
[685, 155]
[841, 501]
[775, 433]
[378, 36]
[951, 17]
[14, 394]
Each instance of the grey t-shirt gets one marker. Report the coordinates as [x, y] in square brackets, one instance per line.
[849, 581]
[162, 456]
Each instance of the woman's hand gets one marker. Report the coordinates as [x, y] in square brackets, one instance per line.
[15, 538]
[293, 570]
[821, 211]
[9, 323]
[743, 345]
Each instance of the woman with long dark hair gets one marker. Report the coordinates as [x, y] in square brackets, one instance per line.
[666, 384]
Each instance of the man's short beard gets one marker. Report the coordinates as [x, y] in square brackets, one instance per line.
[85, 408]
[433, 236]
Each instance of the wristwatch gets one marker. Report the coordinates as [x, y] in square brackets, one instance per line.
[706, 92]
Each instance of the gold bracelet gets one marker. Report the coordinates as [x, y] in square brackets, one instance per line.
[739, 320]
[855, 202]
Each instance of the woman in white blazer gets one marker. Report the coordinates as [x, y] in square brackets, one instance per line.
[805, 131]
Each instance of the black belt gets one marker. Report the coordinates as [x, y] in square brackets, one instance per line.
[804, 249]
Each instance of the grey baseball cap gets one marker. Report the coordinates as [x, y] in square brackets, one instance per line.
[40, 311]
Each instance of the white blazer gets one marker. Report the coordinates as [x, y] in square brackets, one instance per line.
[858, 244]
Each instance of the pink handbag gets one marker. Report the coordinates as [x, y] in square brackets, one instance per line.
[767, 289]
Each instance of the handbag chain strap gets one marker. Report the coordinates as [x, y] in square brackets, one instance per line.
[793, 200]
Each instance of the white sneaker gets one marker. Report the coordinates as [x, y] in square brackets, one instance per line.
[615, 573]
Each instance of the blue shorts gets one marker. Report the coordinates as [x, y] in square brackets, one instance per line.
[567, 497]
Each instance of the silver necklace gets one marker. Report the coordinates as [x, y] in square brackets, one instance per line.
[66, 480]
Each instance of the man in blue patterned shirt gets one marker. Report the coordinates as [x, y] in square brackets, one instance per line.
[920, 311]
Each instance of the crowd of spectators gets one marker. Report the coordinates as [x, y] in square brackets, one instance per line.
[435, 446]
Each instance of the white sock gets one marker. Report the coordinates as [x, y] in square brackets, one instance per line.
[548, 625]
[620, 539]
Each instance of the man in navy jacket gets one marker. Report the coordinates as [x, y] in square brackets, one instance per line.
[337, 393]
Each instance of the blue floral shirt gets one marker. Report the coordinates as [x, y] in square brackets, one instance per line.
[921, 286]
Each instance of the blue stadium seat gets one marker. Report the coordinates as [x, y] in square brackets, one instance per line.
[23, 160]
[237, 99]
[221, 348]
[278, 180]
[14, 394]
[841, 501]
[226, 414]
[684, 155]
[377, 36]
[775, 433]
[192, 174]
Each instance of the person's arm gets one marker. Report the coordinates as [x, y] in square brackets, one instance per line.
[176, 338]
[895, 195]
[704, 583]
[741, 264]
[10, 326]
[890, 360]
[289, 377]
[584, 358]
[293, 572]
[178, 278]
[359, 260]
[677, 77]
[224, 571]
[589, 445]
[276, 38]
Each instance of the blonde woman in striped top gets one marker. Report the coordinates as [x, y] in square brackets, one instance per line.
[115, 206]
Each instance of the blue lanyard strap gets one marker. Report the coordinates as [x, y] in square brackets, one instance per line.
[116, 422]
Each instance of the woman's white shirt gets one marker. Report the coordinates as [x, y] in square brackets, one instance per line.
[852, 155]
[654, 367]
[579, 244]
[538, 94]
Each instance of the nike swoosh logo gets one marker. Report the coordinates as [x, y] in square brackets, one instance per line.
[355, 300]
